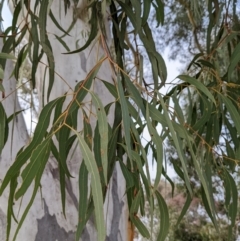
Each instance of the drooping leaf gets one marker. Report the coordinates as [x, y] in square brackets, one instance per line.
[198, 85]
[103, 131]
[3, 127]
[38, 160]
[94, 29]
[39, 133]
[83, 199]
[95, 185]
[125, 118]
[164, 217]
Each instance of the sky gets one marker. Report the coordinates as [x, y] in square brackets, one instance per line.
[6, 15]
[172, 69]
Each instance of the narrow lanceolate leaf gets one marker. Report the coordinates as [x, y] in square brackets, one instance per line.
[56, 23]
[40, 131]
[198, 85]
[176, 141]
[146, 11]
[129, 12]
[159, 12]
[164, 217]
[135, 95]
[111, 88]
[95, 185]
[61, 176]
[46, 45]
[7, 56]
[233, 111]
[3, 126]
[159, 148]
[83, 199]
[82, 89]
[136, 203]
[103, 131]
[10, 211]
[37, 183]
[140, 226]
[94, 29]
[1, 77]
[127, 175]
[38, 159]
[21, 57]
[233, 206]
[185, 208]
[235, 58]
[35, 51]
[125, 118]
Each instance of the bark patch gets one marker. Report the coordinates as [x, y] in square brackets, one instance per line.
[49, 229]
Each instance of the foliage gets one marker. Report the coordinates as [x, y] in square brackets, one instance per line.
[207, 138]
[196, 224]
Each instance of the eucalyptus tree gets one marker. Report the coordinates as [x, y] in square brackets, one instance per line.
[81, 175]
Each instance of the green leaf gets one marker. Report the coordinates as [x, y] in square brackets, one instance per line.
[194, 59]
[164, 217]
[95, 185]
[127, 175]
[233, 206]
[159, 12]
[198, 85]
[206, 113]
[82, 88]
[146, 11]
[129, 12]
[140, 226]
[94, 29]
[46, 45]
[37, 183]
[208, 207]
[111, 88]
[235, 58]
[61, 176]
[7, 56]
[233, 111]
[185, 208]
[177, 144]
[38, 159]
[83, 199]
[21, 57]
[103, 131]
[39, 134]
[125, 118]
[135, 204]
[159, 148]
[57, 24]
[1, 77]
[135, 95]
[35, 39]
[3, 127]
[97, 153]
[10, 211]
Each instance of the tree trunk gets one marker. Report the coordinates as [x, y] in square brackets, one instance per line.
[45, 220]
